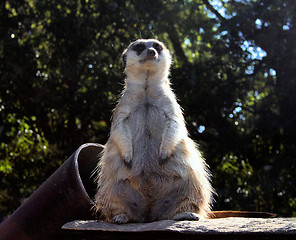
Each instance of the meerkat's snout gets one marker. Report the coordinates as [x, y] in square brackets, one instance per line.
[151, 54]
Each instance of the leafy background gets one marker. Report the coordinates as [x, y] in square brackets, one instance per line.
[233, 72]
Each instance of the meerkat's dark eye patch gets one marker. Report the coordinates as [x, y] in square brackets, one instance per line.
[157, 47]
[139, 48]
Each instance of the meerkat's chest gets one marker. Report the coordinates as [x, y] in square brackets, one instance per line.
[147, 117]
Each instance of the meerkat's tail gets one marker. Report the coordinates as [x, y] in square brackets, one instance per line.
[244, 214]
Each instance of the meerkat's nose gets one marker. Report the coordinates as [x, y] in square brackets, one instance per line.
[151, 53]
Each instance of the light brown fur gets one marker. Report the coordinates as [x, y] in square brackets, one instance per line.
[150, 169]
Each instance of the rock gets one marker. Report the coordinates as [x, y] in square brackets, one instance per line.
[223, 228]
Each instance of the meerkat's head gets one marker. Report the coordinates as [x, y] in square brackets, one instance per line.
[146, 55]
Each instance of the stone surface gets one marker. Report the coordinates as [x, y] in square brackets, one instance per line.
[282, 228]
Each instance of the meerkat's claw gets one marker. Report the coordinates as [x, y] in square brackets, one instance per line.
[187, 216]
[163, 157]
[120, 219]
[128, 163]
[163, 160]
[127, 160]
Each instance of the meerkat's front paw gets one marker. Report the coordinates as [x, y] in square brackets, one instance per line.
[120, 219]
[127, 159]
[191, 216]
[163, 158]
[166, 150]
[128, 162]
[163, 155]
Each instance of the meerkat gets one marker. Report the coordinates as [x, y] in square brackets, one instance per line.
[150, 169]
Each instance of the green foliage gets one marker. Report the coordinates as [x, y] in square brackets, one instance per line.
[233, 72]
[22, 163]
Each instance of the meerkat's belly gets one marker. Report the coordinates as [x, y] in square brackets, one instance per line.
[147, 123]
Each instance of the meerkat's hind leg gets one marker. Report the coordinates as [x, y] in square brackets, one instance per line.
[120, 219]
[191, 216]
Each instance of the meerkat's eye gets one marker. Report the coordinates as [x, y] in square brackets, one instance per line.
[157, 47]
[139, 48]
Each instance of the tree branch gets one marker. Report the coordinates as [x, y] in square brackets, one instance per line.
[213, 10]
[173, 35]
